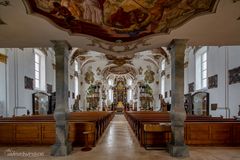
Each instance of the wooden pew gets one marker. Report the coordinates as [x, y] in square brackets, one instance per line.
[199, 130]
[40, 130]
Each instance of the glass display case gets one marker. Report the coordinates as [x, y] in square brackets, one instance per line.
[40, 103]
[200, 103]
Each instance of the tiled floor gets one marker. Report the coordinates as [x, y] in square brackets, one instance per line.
[119, 143]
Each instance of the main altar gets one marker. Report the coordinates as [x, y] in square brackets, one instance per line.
[120, 107]
[120, 96]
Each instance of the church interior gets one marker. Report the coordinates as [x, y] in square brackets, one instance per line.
[124, 79]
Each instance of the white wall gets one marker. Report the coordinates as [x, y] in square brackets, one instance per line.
[234, 89]
[220, 60]
[20, 63]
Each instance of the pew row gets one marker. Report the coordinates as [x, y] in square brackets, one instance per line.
[199, 130]
[40, 130]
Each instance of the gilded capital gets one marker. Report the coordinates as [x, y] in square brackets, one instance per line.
[3, 58]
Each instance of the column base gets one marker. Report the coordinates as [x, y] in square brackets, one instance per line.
[178, 151]
[61, 150]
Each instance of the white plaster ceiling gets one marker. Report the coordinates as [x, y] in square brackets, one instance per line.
[24, 30]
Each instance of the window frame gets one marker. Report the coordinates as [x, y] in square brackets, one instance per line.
[76, 79]
[201, 69]
[163, 77]
[42, 70]
[35, 71]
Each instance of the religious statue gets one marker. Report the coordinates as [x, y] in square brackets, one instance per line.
[163, 104]
[76, 105]
[89, 75]
[120, 86]
[149, 75]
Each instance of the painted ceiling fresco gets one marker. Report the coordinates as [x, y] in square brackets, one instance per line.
[120, 20]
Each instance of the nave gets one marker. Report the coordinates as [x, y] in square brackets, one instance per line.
[119, 142]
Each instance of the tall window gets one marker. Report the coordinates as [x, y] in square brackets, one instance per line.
[39, 70]
[201, 68]
[163, 85]
[129, 91]
[110, 95]
[110, 82]
[76, 77]
[129, 95]
[110, 91]
[163, 66]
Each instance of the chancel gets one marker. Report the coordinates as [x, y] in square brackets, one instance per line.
[129, 79]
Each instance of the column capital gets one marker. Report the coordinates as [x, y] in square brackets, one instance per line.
[61, 43]
[3, 58]
[176, 42]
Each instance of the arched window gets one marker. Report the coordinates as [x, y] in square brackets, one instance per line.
[201, 68]
[39, 70]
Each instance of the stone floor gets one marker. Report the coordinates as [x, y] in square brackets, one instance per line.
[118, 143]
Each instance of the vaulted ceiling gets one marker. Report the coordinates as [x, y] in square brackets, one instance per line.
[111, 65]
[122, 26]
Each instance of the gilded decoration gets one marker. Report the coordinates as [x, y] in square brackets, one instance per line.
[125, 20]
[89, 76]
[149, 75]
[119, 60]
[119, 70]
[3, 58]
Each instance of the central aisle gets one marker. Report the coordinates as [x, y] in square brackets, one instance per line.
[120, 143]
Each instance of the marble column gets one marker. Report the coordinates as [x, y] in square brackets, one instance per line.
[61, 147]
[177, 147]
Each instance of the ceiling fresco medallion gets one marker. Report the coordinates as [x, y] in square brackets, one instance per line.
[124, 20]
